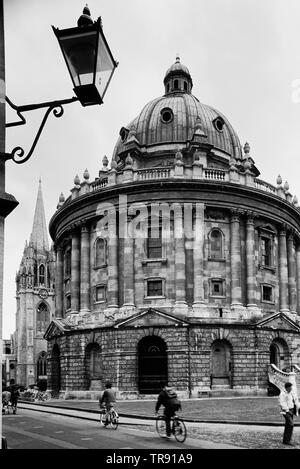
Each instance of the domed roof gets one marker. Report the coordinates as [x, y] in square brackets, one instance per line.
[172, 119]
[177, 67]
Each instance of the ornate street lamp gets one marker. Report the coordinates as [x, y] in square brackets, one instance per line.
[88, 58]
[91, 66]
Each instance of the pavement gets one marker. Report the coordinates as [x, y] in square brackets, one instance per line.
[258, 411]
[206, 429]
[29, 429]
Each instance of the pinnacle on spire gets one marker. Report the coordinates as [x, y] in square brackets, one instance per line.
[39, 234]
[177, 58]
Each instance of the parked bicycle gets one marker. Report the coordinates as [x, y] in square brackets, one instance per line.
[8, 407]
[178, 428]
[42, 396]
[110, 417]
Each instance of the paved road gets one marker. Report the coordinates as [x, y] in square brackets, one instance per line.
[38, 430]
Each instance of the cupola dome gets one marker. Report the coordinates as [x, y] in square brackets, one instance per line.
[174, 119]
[178, 78]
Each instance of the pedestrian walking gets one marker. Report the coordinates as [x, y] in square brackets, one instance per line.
[15, 394]
[167, 398]
[289, 405]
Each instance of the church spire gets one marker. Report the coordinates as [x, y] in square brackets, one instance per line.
[39, 234]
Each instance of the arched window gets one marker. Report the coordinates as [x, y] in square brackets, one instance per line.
[216, 244]
[185, 85]
[100, 252]
[24, 277]
[42, 317]
[48, 276]
[35, 273]
[42, 365]
[176, 84]
[42, 274]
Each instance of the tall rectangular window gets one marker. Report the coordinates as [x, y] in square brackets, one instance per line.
[266, 255]
[154, 244]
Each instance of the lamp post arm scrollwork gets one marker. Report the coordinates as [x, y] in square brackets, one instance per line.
[17, 154]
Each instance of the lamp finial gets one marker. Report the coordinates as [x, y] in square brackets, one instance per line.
[85, 19]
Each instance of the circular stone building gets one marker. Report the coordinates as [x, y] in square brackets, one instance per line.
[176, 263]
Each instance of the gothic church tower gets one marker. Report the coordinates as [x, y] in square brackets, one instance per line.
[35, 301]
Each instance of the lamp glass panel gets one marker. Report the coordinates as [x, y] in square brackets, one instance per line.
[80, 54]
[105, 67]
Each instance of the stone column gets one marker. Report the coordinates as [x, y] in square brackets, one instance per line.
[198, 244]
[283, 271]
[235, 258]
[298, 275]
[179, 244]
[128, 270]
[250, 260]
[85, 280]
[113, 282]
[291, 253]
[59, 279]
[75, 271]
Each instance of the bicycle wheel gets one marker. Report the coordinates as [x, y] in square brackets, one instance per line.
[179, 430]
[161, 425]
[114, 419]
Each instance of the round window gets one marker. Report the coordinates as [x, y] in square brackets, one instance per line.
[219, 124]
[166, 115]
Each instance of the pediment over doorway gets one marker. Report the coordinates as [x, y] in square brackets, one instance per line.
[151, 317]
[278, 321]
[56, 328]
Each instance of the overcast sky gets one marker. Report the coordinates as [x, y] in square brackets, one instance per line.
[244, 58]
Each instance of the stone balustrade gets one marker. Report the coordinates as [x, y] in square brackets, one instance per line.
[264, 186]
[152, 173]
[215, 174]
[232, 175]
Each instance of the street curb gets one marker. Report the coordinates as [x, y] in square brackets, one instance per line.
[140, 417]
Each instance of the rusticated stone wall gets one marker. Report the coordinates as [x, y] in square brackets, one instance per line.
[189, 352]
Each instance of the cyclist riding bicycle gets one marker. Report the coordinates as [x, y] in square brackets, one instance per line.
[106, 400]
[168, 398]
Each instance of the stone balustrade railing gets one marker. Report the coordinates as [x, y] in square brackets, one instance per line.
[215, 174]
[195, 172]
[264, 186]
[152, 173]
[99, 184]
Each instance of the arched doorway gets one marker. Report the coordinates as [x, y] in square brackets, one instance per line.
[152, 364]
[221, 363]
[93, 366]
[279, 354]
[55, 370]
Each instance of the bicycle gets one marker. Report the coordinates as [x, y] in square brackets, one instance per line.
[42, 396]
[178, 428]
[110, 415]
[7, 407]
